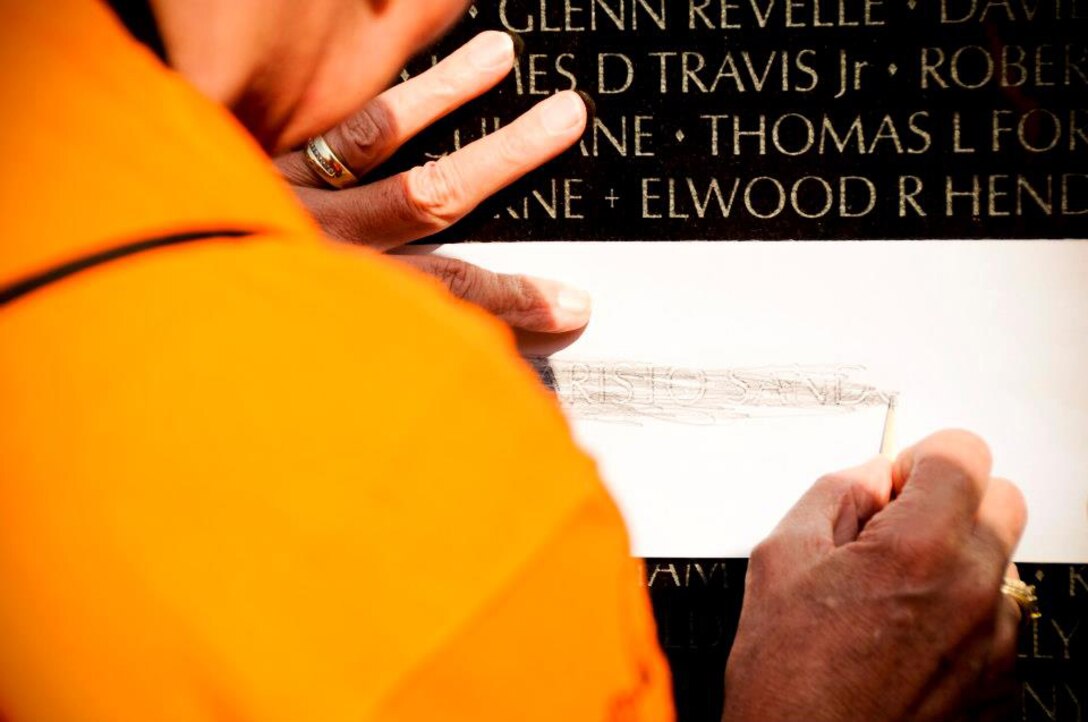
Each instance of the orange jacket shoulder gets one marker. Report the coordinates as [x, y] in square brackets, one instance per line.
[268, 478]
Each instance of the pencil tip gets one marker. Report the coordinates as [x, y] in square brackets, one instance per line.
[887, 439]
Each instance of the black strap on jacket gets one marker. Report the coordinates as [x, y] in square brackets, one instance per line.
[20, 288]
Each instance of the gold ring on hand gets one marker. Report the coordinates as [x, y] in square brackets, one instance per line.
[1024, 596]
[328, 166]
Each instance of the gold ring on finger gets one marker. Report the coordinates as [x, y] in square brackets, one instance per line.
[328, 166]
[1024, 596]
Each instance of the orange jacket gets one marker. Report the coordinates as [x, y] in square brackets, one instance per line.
[267, 478]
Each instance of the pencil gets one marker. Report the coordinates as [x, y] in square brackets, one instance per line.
[887, 439]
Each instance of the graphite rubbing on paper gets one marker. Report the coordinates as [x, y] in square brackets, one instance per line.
[630, 392]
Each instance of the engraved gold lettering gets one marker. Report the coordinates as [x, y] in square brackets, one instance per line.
[855, 131]
[809, 134]
[997, 128]
[825, 188]
[844, 195]
[1032, 700]
[909, 196]
[564, 71]
[994, 194]
[690, 65]
[1065, 638]
[713, 190]
[641, 133]
[779, 191]
[1067, 204]
[957, 135]
[647, 196]
[1024, 186]
[526, 26]
[669, 570]
[603, 87]
[570, 197]
[975, 194]
[616, 15]
[663, 66]
[1076, 577]
[760, 134]
[1036, 653]
[673, 213]
[932, 60]
[657, 17]
[714, 119]
[1026, 130]
[600, 129]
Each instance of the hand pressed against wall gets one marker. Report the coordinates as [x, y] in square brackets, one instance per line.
[424, 200]
[861, 608]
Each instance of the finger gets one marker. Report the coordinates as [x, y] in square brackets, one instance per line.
[999, 680]
[533, 304]
[835, 509]
[939, 485]
[1001, 518]
[976, 683]
[374, 133]
[429, 198]
[978, 674]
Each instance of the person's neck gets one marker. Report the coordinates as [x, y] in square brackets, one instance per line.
[230, 50]
[212, 44]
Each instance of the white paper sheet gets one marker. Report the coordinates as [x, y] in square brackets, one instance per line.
[991, 336]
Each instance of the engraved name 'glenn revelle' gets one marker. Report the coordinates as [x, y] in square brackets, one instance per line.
[633, 392]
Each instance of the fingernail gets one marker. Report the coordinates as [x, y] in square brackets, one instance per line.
[491, 50]
[563, 112]
[573, 301]
[591, 105]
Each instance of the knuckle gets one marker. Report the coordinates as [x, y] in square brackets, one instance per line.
[765, 559]
[1016, 504]
[367, 133]
[435, 194]
[521, 299]
[839, 493]
[950, 475]
[445, 84]
[958, 448]
[461, 279]
[971, 443]
[835, 487]
[767, 549]
[513, 147]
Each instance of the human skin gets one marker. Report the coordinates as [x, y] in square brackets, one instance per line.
[289, 70]
[408, 206]
[876, 598]
[858, 607]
